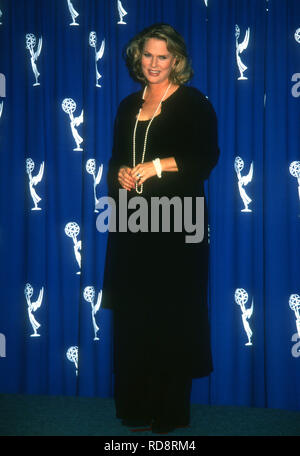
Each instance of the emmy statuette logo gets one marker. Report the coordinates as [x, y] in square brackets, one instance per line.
[32, 307]
[122, 13]
[89, 296]
[73, 12]
[294, 169]
[243, 181]
[294, 303]
[33, 181]
[72, 230]
[240, 47]
[297, 35]
[206, 2]
[98, 54]
[34, 55]
[91, 169]
[0, 17]
[72, 356]
[69, 106]
[241, 298]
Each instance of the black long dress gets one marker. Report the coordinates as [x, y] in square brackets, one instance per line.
[155, 281]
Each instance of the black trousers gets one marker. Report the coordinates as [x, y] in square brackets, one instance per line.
[162, 398]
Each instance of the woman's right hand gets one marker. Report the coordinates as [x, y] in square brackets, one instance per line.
[125, 179]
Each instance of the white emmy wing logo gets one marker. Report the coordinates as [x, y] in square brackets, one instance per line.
[98, 54]
[30, 45]
[72, 355]
[0, 16]
[240, 47]
[297, 35]
[243, 181]
[122, 12]
[1, 108]
[295, 172]
[73, 13]
[72, 230]
[33, 181]
[89, 296]
[32, 307]
[241, 297]
[205, 1]
[69, 106]
[294, 303]
[91, 169]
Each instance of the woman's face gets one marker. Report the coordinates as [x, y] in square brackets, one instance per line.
[157, 62]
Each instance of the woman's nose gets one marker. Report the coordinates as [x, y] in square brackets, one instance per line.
[153, 62]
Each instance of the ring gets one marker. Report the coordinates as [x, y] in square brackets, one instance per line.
[138, 175]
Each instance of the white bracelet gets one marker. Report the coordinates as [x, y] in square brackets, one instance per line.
[157, 166]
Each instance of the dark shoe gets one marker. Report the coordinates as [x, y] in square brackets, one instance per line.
[141, 429]
[160, 428]
[136, 423]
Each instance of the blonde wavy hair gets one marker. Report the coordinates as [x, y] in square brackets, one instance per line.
[182, 71]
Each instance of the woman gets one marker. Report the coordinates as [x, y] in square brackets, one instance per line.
[165, 145]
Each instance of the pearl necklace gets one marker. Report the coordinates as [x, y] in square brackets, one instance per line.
[140, 190]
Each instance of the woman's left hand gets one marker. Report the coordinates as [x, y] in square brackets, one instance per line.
[143, 171]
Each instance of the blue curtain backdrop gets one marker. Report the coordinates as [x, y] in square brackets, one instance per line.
[62, 78]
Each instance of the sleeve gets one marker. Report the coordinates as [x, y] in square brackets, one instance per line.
[198, 152]
[114, 162]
